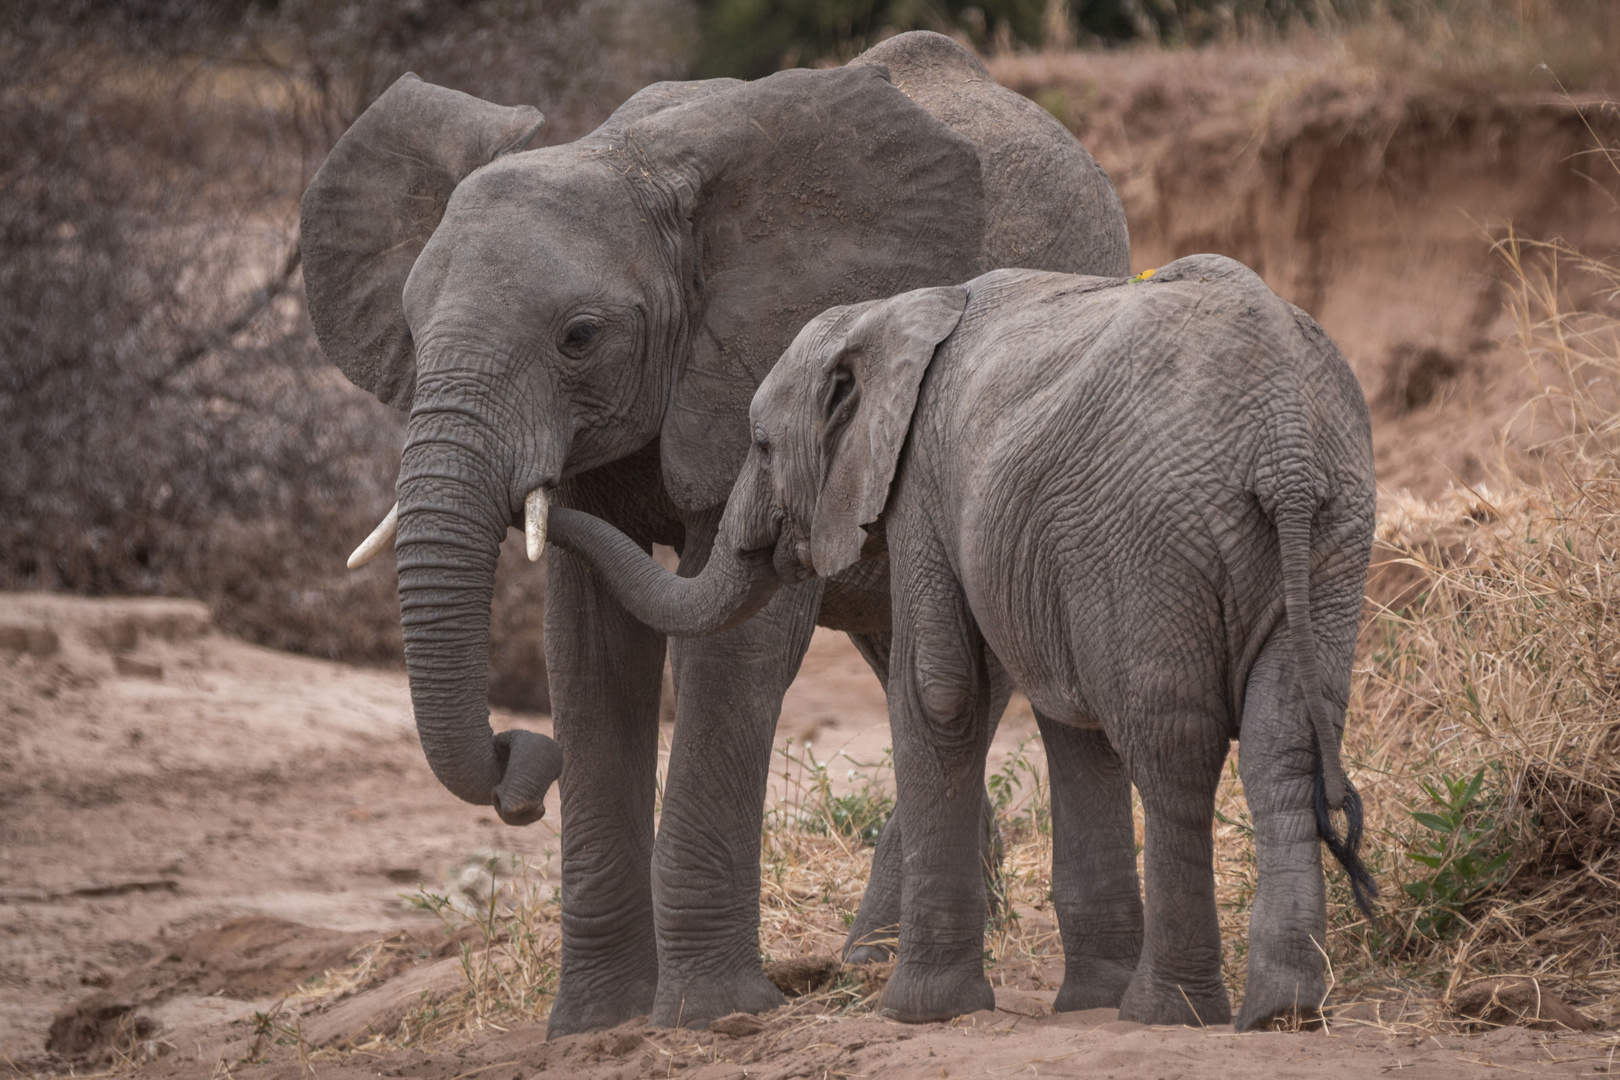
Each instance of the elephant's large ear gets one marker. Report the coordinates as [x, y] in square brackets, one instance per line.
[805, 190]
[371, 208]
[868, 390]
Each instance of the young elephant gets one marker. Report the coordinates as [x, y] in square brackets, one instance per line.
[1150, 502]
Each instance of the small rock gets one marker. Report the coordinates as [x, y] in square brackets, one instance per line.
[1507, 1000]
[34, 640]
[140, 669]
[737, 1025]
[95, 975]
[118, 635]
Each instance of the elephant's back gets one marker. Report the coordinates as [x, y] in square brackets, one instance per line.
[1049, 205]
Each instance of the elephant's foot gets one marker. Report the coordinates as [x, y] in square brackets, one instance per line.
[596, 1006]
[919, 994]
[1093, 983]
[1271, 1000]
[1153, 1000]
[692, 1003]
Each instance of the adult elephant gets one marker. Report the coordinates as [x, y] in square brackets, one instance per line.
[585, 324]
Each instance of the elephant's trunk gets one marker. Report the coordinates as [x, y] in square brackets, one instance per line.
[450, 530]
[733, 585]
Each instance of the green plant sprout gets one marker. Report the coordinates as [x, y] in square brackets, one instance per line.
[1459, 847]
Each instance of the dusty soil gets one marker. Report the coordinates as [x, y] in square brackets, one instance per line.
[193, 826]
[157, 778]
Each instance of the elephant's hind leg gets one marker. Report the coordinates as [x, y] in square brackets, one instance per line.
[1178, 980]
[1094, 886]
[1288, 924]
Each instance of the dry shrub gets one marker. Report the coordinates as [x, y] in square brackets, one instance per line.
[504, 922]
[816, 849]
[1505, 668]
[816, 856]
[509, 966]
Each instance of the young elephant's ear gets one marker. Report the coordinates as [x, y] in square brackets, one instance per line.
[371, 208]
[868, 390]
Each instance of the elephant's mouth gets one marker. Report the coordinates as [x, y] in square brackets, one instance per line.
[536, 507]
[790, 557]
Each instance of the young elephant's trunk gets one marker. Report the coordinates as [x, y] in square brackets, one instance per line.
[733, 585]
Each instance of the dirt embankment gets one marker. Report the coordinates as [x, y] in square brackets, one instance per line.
[1369, 200]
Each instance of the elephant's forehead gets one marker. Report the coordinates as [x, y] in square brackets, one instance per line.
[562, 214]
[557, 176]
[777, 394]
[797, 372]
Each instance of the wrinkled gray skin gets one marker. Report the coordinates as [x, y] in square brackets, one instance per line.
[1150, 504]
[593, 319]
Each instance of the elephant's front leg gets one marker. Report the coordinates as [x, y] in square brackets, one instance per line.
[939, 715]
[606, 669]
[728, 696]
[874, 933]
[1094, 886]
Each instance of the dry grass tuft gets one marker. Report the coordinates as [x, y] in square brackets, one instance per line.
[1499, 43]
[509, 968]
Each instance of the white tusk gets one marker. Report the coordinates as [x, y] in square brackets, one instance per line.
[534, 523]
[379, 538]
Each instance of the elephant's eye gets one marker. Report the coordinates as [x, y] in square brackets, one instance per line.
[579, 335]
[762, 440]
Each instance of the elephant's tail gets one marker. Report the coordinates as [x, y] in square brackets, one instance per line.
[1334, 791]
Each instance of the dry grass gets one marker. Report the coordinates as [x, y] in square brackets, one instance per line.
[509, 971]
[1505, 667]
[1503, 44]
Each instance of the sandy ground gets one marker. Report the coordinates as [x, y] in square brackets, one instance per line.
[158, 779]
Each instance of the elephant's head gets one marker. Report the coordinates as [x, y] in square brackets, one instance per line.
[828, 426]
[546, 312]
